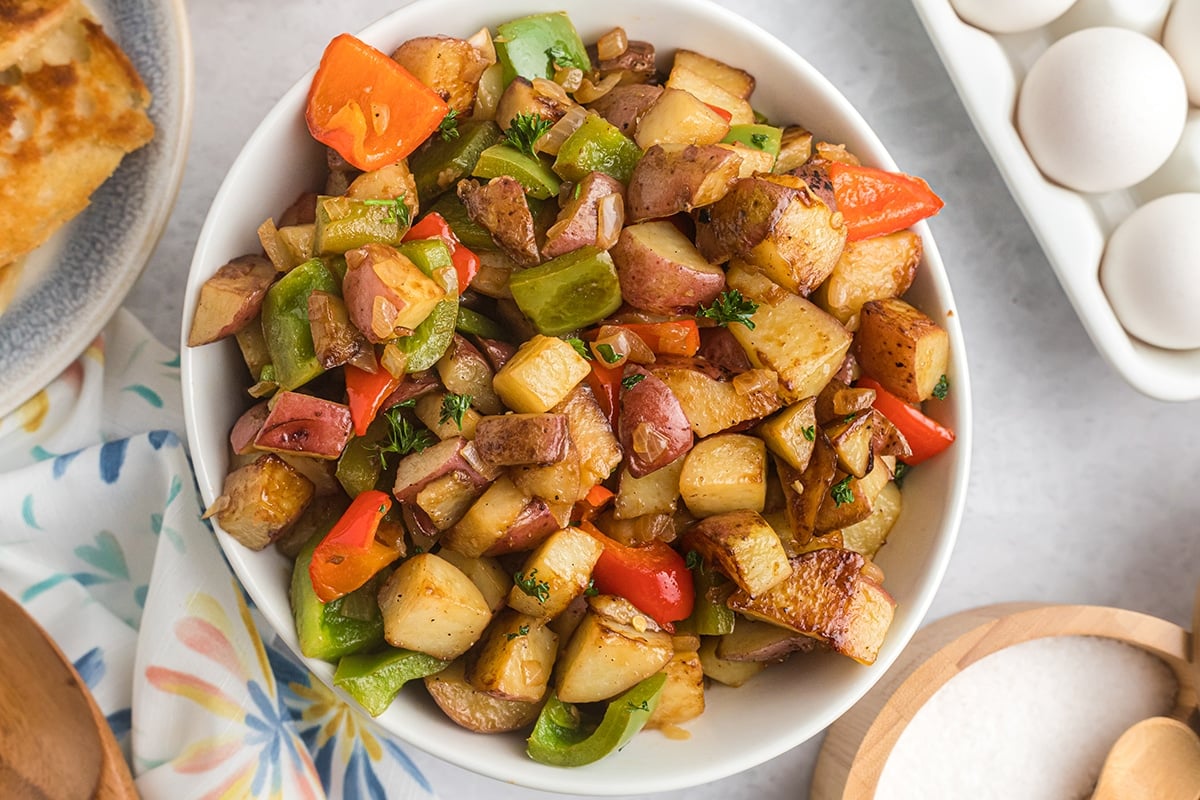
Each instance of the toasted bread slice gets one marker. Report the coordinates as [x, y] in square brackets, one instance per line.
[64, 128]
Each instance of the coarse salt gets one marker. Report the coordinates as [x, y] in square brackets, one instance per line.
[1031, 722]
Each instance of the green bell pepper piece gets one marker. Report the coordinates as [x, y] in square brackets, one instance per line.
[530, 46]
[597, 146]
[432, 257]
[531, 172]
[344, 223]
[560, 739]
[439, 165]
[757, 137]
[568, 292]
[286, 327]
[340, 627]
[358, 467]
[476, 324]
[429, 342]
[375, 679]
[708, 618]
[473, 235]
[336, 264]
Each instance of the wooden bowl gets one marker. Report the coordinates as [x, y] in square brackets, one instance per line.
[858, 745]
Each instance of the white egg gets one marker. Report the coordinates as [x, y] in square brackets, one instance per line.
[1102, 109]
[1144, 16]
[1181, 172]
[1181, 37]
[1151, 272]
[1009, 16]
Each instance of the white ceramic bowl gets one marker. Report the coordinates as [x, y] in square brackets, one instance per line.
[741, 728]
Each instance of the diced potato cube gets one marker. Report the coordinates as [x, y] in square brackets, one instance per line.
[869, 269]
[558, 484]
[730, 673]
[682, 697]
[261, 500]
[540, 375]
[446, 499]
[902, 348]
[487, 575]
[869, 535]
[475, 710]
[429, 411]
[790, 433]
[599, 451]
[711, 94]
[795, 148]
[725, 472]
[743, 546]
[851, 440]
[555, 573]
[733, 80]
[515, 658]
[487, 520]
[679, 117]
[849, 499]
[656, 493]
[606, 656]
[712, 406]
[804, 345]
[753, 160]
[429, 605]
[753, 640]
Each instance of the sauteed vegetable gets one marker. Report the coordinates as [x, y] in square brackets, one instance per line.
[578, 383]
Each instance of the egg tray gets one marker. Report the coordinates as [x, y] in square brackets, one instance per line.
[1072, 227]
[857, 746]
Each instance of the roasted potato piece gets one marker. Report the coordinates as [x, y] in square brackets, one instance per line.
[336, 341]
[662, 272]
[446, 499]
[542, 373]
[679, 117]
[726, 472]
[599, 451]
[752, 160]
[800, 342]
[902, 348]
[886, 438]
[680, 177]
[730, 673]
[579, 223]
[806, 490]
[555, 574]
[709, 93]
[429, 410]
[849, 499]
[486, 573]
[682, 697]
[830, 597]
[261, 500]
[636, 64]
[386, 183]
[851, 440]
[795, 148]
[607, 655]
[231, 299]
[429, 605]
[869, 269]
[712, 406]
[743, 546]
[870, 534]
[777, 226]
[516, 439]
[653, 429]
[523, 96]
[790, 433]
[241, 438]
[489, 519]
[559, 484]
[623, 106]
[305, 425]
[452, 455]
[386, 294]
[533, 524]
[500, 207]
[733, 80]
[450, 67]
[638, 531]
[475, 710]
[752, 640]
[515, 658]
[465, 371]
[838, 400]
[656, 493]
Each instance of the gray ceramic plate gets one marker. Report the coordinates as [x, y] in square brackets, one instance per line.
[71, 286]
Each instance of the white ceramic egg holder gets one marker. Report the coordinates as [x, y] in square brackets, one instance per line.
[1072, 228]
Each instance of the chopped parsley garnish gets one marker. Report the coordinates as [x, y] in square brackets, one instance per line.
[630, 381]
[409, 403]
[448, 127]
[693, 559]
[606, 352]
[901, 470]
[453, 408]
[531, 586]
[580, 347]
[403, 437]
[398, 210]
[525, 129]
[730, 307]
[521, 631]
[810, 432]
[758, 140]
[841, 492]
[559, 55]
[591, 590]
[942, 388]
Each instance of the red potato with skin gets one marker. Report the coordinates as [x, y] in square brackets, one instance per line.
[230, 299]
[718, 346]
[517, 439]
[578, 223]
[662, 272]
[241, 438]
[532, 526]
[305, 425]
[623, 106]
[417, 470]
[386, 294]
[653, 428]
[500, 207]
[671, 178]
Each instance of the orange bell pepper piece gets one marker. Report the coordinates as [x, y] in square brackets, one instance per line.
[674, 338]
[349, 555]
[875, 202]
[367, 107]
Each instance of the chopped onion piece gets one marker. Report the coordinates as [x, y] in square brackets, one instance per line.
[394, 360]
[612, 44]
[648, 441]
[552, 140]
[755, 380]
[589, 92]
[482, 41]
[569, 78]
[551, 90]
[610, 218]
[487, 95]
[625, 343]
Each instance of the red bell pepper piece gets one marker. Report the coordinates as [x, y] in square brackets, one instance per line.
[365, 393]
[597, 498]
[674, 338]
[926, 437]
[653, 577]
[875, 202]
[605, 383]
[367, 107]
[349, 555]
[434, 226]
[720, 112]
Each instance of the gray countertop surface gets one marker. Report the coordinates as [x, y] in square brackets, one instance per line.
[1082, 490]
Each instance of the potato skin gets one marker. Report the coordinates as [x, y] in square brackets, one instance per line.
[501, 208]
[674, 178]
[449, 66]
[662, 272]
[386, 293]
[475, 710]
[517, 439]
[306, 425]
[623, 106]
[650, 406]
[902, 348]
[577, 225]
[230, 299]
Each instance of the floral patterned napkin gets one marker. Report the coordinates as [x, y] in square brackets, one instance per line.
[101, 541]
